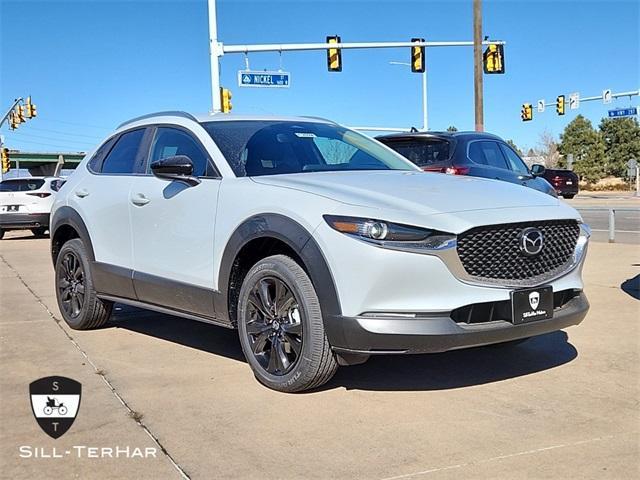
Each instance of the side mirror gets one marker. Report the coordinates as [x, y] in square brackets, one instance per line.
[178, 167]
[537, 169]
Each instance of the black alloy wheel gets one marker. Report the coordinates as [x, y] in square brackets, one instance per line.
[281, 328]
[71, 285]
[274, 329]
[78, 300]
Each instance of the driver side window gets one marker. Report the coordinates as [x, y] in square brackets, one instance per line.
[514, 161]
[169, 142]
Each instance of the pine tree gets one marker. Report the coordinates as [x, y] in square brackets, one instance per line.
[621, 138]
[585, 143]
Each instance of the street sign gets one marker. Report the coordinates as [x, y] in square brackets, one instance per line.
[623, 112]
[574, 101]
[541, 106]
[264, 79]
[606, 96]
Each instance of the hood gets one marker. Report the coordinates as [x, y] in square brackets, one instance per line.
[413, 192]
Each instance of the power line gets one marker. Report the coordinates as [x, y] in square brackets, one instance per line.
[66, 147]
[51, 138]
[64, 133]
[79, 124]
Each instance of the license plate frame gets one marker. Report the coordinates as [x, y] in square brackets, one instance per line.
[10, 208]
[531, 305]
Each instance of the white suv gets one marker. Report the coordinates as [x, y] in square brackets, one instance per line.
[320, 245]
[25, 203]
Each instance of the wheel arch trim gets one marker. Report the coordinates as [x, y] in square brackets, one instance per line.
[296, 237]
[67, 216]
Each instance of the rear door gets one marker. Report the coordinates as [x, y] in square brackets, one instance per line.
[173, 227]
[102, 199]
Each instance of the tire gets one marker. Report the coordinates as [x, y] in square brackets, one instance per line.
[293, 353]
[1, 233]
[62, 410]
[40, 231]
[569, 197]
[77, 299]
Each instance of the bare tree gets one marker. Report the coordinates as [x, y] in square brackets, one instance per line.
[547, 147]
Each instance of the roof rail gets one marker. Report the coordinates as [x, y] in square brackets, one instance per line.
[172, 113]
[311, 117]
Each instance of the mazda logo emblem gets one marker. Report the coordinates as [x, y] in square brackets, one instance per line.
[531, 241]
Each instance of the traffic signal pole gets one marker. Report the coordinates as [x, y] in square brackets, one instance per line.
[425, 115]
[6, 115]
[218, 49]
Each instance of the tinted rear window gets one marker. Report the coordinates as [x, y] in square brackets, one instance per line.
[122, 158]
[423, 152]
[25, 185]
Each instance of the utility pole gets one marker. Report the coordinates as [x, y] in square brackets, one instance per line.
[477, 65]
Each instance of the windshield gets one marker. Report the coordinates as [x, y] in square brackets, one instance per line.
[254, 148]
[25, 185]
[422, 152]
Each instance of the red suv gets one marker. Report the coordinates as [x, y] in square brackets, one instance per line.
[564, 181]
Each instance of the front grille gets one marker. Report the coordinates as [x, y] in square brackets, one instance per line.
[493, 252]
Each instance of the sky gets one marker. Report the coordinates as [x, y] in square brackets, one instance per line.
[90, 65]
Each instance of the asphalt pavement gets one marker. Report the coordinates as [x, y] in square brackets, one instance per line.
[594, 208]
[563, 405]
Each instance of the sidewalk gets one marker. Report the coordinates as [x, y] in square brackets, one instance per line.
[33, 345]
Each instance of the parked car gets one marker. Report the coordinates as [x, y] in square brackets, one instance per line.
[319, 244]
[565, 182]
[25, 203]
[467, 153]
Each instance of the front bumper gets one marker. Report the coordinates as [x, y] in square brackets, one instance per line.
[439, 332]
[15, 221]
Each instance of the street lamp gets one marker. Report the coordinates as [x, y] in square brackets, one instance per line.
[425, 123]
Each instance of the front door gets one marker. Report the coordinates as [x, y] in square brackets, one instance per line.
[173, 228]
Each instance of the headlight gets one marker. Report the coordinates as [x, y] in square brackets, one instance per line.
[392, 235]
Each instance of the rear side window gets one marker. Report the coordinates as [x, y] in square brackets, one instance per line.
[169, 142]
[487, 153]
[423, 153]
[25, 185]
[95, 164]
[57, 184]
[122, 158]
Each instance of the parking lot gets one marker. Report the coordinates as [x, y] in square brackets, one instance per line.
[562, 405]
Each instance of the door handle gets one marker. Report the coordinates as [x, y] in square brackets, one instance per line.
[82, 192]
[139, 199]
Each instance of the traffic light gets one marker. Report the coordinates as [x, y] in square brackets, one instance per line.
[19, 113]
[417, 57]
[560, 105]
[13, 120]
[526, 114]
[6, 166]
[30, 107]
[334, 55]
[493, 59]
[225, 100]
